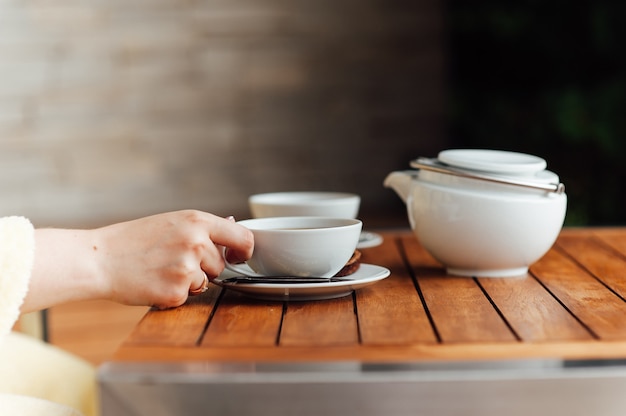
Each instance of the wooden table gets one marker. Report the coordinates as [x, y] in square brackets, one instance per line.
[418, 342]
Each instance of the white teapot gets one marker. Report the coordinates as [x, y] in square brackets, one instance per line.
[483, 213]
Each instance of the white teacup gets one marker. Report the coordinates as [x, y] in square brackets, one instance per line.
[306, 204]
[299, 246]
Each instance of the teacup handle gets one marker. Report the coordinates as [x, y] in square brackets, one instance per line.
[237, 268]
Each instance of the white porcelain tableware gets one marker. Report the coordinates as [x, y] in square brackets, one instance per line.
[300, 246]
[369, 239]
[314, 204]
[485, 213]
[307, 204]
[366, 275]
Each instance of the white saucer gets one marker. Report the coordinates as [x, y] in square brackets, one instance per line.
[369, 239]
[365, 276]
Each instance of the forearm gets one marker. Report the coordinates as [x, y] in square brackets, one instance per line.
[65, 269]
[154, 260]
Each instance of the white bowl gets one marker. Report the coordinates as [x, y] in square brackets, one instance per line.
[316, 204]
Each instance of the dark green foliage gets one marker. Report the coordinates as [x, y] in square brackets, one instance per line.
[547, 78]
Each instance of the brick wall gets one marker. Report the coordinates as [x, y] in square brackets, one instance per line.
[114, 109]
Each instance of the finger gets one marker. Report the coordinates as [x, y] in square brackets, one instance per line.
[222, 231]
[213, 261]
[237, 238]
[233, 256]
[201, 288]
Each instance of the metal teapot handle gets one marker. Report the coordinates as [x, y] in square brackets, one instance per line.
[436, 166]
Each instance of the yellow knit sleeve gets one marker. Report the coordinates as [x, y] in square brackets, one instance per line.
[17, 253]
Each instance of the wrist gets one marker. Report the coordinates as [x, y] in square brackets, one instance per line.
[66, 268]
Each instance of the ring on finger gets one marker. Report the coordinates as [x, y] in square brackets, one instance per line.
[203, 287]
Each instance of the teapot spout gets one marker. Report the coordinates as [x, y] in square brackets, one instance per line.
[401, 182]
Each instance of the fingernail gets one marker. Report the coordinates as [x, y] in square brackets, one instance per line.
[230, 218]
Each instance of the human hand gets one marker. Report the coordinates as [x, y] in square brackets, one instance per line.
[153, 261]
[156, 260]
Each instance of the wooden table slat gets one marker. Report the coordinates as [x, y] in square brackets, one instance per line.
[460, 310]
[566, 350]
[391, 312]
[616, 238]
[587, 298]
[182, 326]
[240, 321]
[600, 259]
[318, 324]
[533, 313]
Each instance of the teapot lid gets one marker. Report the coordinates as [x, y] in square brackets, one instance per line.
[493, 161]
[504, 167]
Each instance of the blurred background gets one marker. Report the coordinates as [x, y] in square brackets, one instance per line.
[547, 78]
[110, 110]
